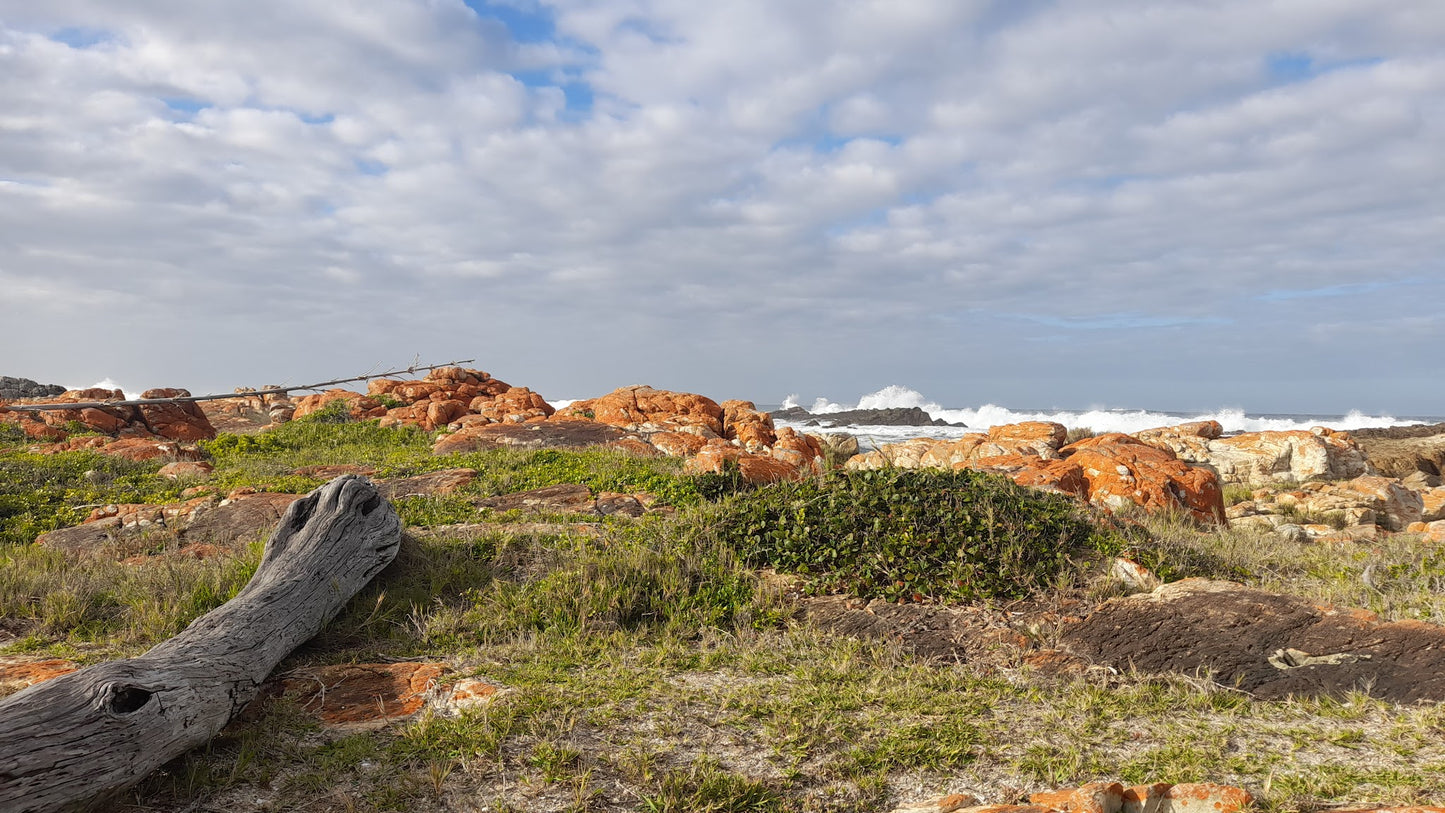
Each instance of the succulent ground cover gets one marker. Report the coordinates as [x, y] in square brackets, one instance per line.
[665, 663]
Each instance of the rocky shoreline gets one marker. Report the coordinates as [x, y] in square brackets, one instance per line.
[1316, 484]
[1321, 488]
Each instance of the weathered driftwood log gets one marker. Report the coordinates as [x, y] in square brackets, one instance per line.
[84, 736]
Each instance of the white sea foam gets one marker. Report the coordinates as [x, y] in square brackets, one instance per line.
[108, 383]
[980, 418]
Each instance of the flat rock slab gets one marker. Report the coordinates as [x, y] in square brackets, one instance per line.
[239, 519]
[1270, 645]
[426, 485]
[566, 498]
[227, 524]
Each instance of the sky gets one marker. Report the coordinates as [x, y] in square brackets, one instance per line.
[1116, 203]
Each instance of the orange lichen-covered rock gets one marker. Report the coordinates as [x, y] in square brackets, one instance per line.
[1063, 476]
[677, 444]
[644, 409]
[318, 401]
[176, 420]
[1096, 797]
[144, 449]
[714, 457]
[1045, 437]
[362, 695]
[1204, 797]
[516, 405]
[1121, 471]
[746, 426]
[1431, 531]
[34, 427]
[803, 452]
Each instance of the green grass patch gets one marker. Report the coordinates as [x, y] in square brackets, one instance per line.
[40, 493]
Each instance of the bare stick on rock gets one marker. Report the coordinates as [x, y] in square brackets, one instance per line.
[84, 736]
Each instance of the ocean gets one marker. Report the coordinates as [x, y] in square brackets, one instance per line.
[980, 418]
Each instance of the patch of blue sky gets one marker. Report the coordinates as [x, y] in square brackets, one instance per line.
[578, 93]
[1350, 289]
[185, 105]
[367, 166]
[82, 37]
[526, 21]
[579, 97]
[1299, 66]
[324, 118]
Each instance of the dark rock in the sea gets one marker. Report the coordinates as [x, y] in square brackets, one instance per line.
[893, 416]
[1270, 645]
[1418, 430]
[791, 414]
[13, 389]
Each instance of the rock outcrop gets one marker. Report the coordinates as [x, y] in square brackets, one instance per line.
[448, 396]
[1405, 455]
[15, 389]
[1260, 458]
[183, 422]
[1271, 645]
[1110, 471]
[892, 416]
[1121, 470]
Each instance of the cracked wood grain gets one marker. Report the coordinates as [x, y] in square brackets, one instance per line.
[80, 738]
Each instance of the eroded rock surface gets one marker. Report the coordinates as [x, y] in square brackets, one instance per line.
[1270, 645]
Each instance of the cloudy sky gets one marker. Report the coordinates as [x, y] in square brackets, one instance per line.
[1115, 202]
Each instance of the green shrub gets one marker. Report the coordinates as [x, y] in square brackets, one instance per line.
[913, 534]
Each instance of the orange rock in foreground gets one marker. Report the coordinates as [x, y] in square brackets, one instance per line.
[1105, 797]
[364, 696]
[644, 409]
[1122, 470]
[20, 673]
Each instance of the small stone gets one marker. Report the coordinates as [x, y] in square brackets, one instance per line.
[186, 468]
[1136, 577]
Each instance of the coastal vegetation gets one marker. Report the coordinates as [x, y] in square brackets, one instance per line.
[668, 662]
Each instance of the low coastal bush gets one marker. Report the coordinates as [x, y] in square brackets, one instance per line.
[913, 534]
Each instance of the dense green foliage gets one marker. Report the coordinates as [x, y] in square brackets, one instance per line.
[913, 534]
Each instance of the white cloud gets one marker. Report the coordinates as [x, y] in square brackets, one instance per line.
[838, 193]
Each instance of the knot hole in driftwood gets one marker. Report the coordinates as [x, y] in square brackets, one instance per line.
[127, 699]
[301, 510]
[372, 503]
